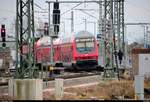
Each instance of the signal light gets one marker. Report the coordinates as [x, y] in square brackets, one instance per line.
[3, 26]
[56, 5]
[56, 28]
[3, 44]
[56, 17]
[3, 30]
[3, 35]
[46, 29]
[3, 39]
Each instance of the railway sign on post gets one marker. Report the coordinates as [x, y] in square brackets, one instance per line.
[46, 31]
[56, 18]
[3, 36]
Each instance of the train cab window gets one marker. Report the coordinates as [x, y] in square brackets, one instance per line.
[80, 44]
[80, 47]
[89, 44]
[85, 45]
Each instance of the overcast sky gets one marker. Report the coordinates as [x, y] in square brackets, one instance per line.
[135, 11]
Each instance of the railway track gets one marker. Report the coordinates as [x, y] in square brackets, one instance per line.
[66, 75]
[74, 79]
[72, 75]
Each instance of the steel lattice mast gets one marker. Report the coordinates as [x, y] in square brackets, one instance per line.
[108, 32]
[121, 16]
[25, 64]
[116, 32]
[113, 22]
[116, 23]
[119, 23]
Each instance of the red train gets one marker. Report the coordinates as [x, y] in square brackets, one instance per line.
[78, 51]
[42, 51]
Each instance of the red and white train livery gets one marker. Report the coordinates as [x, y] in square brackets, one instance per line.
[79, 51]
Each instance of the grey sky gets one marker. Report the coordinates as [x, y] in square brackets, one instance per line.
[135, 11]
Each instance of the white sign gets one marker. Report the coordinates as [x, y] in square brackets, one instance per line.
[144, 64]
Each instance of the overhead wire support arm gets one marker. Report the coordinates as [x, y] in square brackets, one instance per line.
[71, 1]
[137, 24]
[89, 14]
[79, 1]
[71, 9]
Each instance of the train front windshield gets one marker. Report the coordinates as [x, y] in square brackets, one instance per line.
[85, 45]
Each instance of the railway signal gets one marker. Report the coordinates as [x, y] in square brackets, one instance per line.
[46, 32]
[3, 35]
[56, 17]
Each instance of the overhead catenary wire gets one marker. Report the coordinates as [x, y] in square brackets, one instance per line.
[39, 6]
[71, 8]
[89, 14]
[79, 23]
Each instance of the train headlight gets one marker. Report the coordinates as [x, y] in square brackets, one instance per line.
[51, 68]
